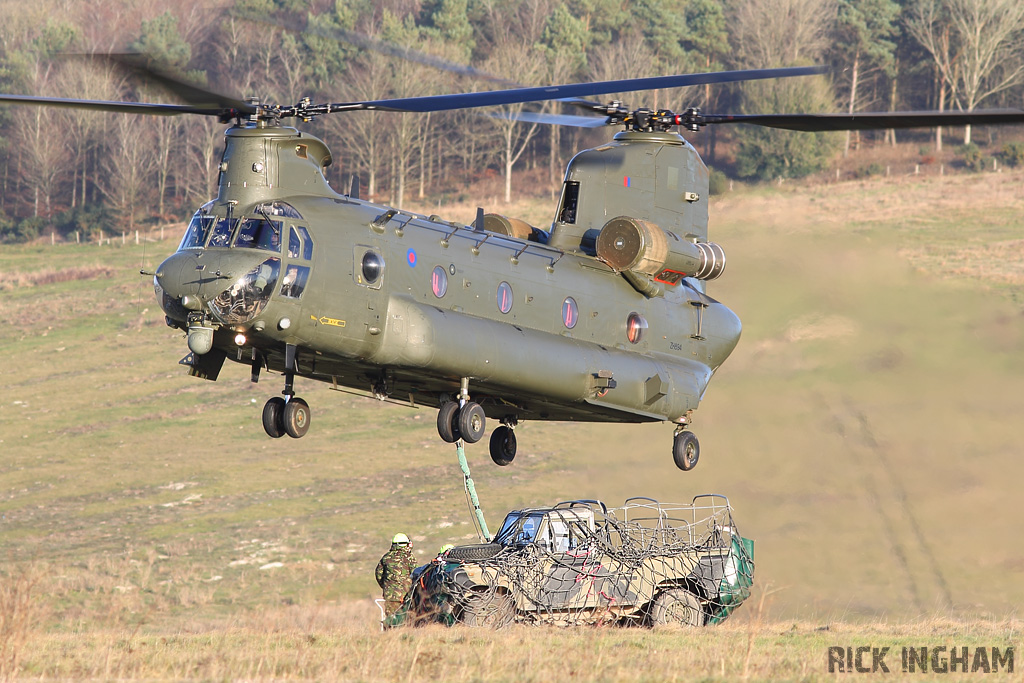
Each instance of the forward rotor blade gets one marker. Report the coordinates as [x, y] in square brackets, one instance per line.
[558, 92]
[142, 66]
[552, 119]
[122, 107]
[873, 121]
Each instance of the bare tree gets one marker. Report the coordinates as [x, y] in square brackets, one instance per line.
[977, 46]
[521, 62]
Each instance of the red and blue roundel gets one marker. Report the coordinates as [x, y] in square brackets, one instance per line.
[411, 258]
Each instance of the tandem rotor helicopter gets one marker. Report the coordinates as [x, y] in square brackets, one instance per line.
[603, 316]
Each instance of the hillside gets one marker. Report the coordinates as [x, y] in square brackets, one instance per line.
[866, 431]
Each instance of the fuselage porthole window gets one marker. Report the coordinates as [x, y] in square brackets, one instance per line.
[570, 312]
[504, 297]
[439, 281]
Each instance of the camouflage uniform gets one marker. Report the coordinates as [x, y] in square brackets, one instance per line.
[393, 575]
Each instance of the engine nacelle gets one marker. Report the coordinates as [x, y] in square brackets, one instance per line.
[642, 247]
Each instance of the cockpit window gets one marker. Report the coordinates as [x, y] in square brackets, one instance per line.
[259, 233]
[197, 232]
[277, 209]
[294, 281]
[293, 243]
[307, 244]
[222, 233]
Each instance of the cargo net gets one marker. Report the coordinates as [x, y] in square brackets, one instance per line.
[582, 563]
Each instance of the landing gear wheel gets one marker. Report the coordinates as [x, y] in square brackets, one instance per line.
[296, 418]
[503, 445]
[677, 606]
[273, 410]
[472, 422]
[685, 450]
[446, 427]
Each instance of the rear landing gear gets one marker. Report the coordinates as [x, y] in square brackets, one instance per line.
[685, 450]
[503, 445]
[465, 422]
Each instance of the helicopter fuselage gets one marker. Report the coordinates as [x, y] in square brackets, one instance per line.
[281, 272]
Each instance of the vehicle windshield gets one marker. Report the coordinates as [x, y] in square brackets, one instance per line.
[519, 528]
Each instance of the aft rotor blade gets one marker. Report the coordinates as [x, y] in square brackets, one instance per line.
[873, 121]
[122, 107]
[558, 92]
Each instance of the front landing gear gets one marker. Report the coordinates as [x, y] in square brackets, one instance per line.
[685, 450]
[289, 415]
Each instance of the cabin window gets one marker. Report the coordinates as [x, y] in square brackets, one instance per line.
[570, 201]
[439, 281]
[504, 297]
[372, 267]
[570, 312]
[636, 326]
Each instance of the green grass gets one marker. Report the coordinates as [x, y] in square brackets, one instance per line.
[866, 431]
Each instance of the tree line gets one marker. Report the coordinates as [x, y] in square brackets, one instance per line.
[64, 169]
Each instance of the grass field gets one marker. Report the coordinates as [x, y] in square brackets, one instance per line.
[866, 431]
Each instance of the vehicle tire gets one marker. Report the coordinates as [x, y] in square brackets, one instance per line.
[480, 551]
[503, 445]
[296, 418]
[273, 411]
[446, 427]
[685, 450]
[472, 422]
[489, 609]
[676, 606]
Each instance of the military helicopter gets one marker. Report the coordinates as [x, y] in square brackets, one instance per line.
[603, 316]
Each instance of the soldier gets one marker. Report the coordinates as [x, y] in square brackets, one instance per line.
[394, 571]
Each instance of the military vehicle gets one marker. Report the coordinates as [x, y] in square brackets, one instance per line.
[602, 316]
[579, 562]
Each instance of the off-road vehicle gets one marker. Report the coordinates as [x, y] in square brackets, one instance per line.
[581, 562]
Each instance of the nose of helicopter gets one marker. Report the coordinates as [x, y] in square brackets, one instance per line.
[192, 280]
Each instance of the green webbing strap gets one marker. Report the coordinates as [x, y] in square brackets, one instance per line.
[471, 490]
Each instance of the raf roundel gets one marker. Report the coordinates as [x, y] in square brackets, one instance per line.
[411, 258]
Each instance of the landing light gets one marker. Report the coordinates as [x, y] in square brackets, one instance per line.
[240, 339]
[284, 324]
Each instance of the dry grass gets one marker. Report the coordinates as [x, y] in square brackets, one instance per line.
[865, 429]
[324, 644]
[48, 276]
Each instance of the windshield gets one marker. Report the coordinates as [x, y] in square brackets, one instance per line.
[259, 233]
[519, 528]
[198, 229]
